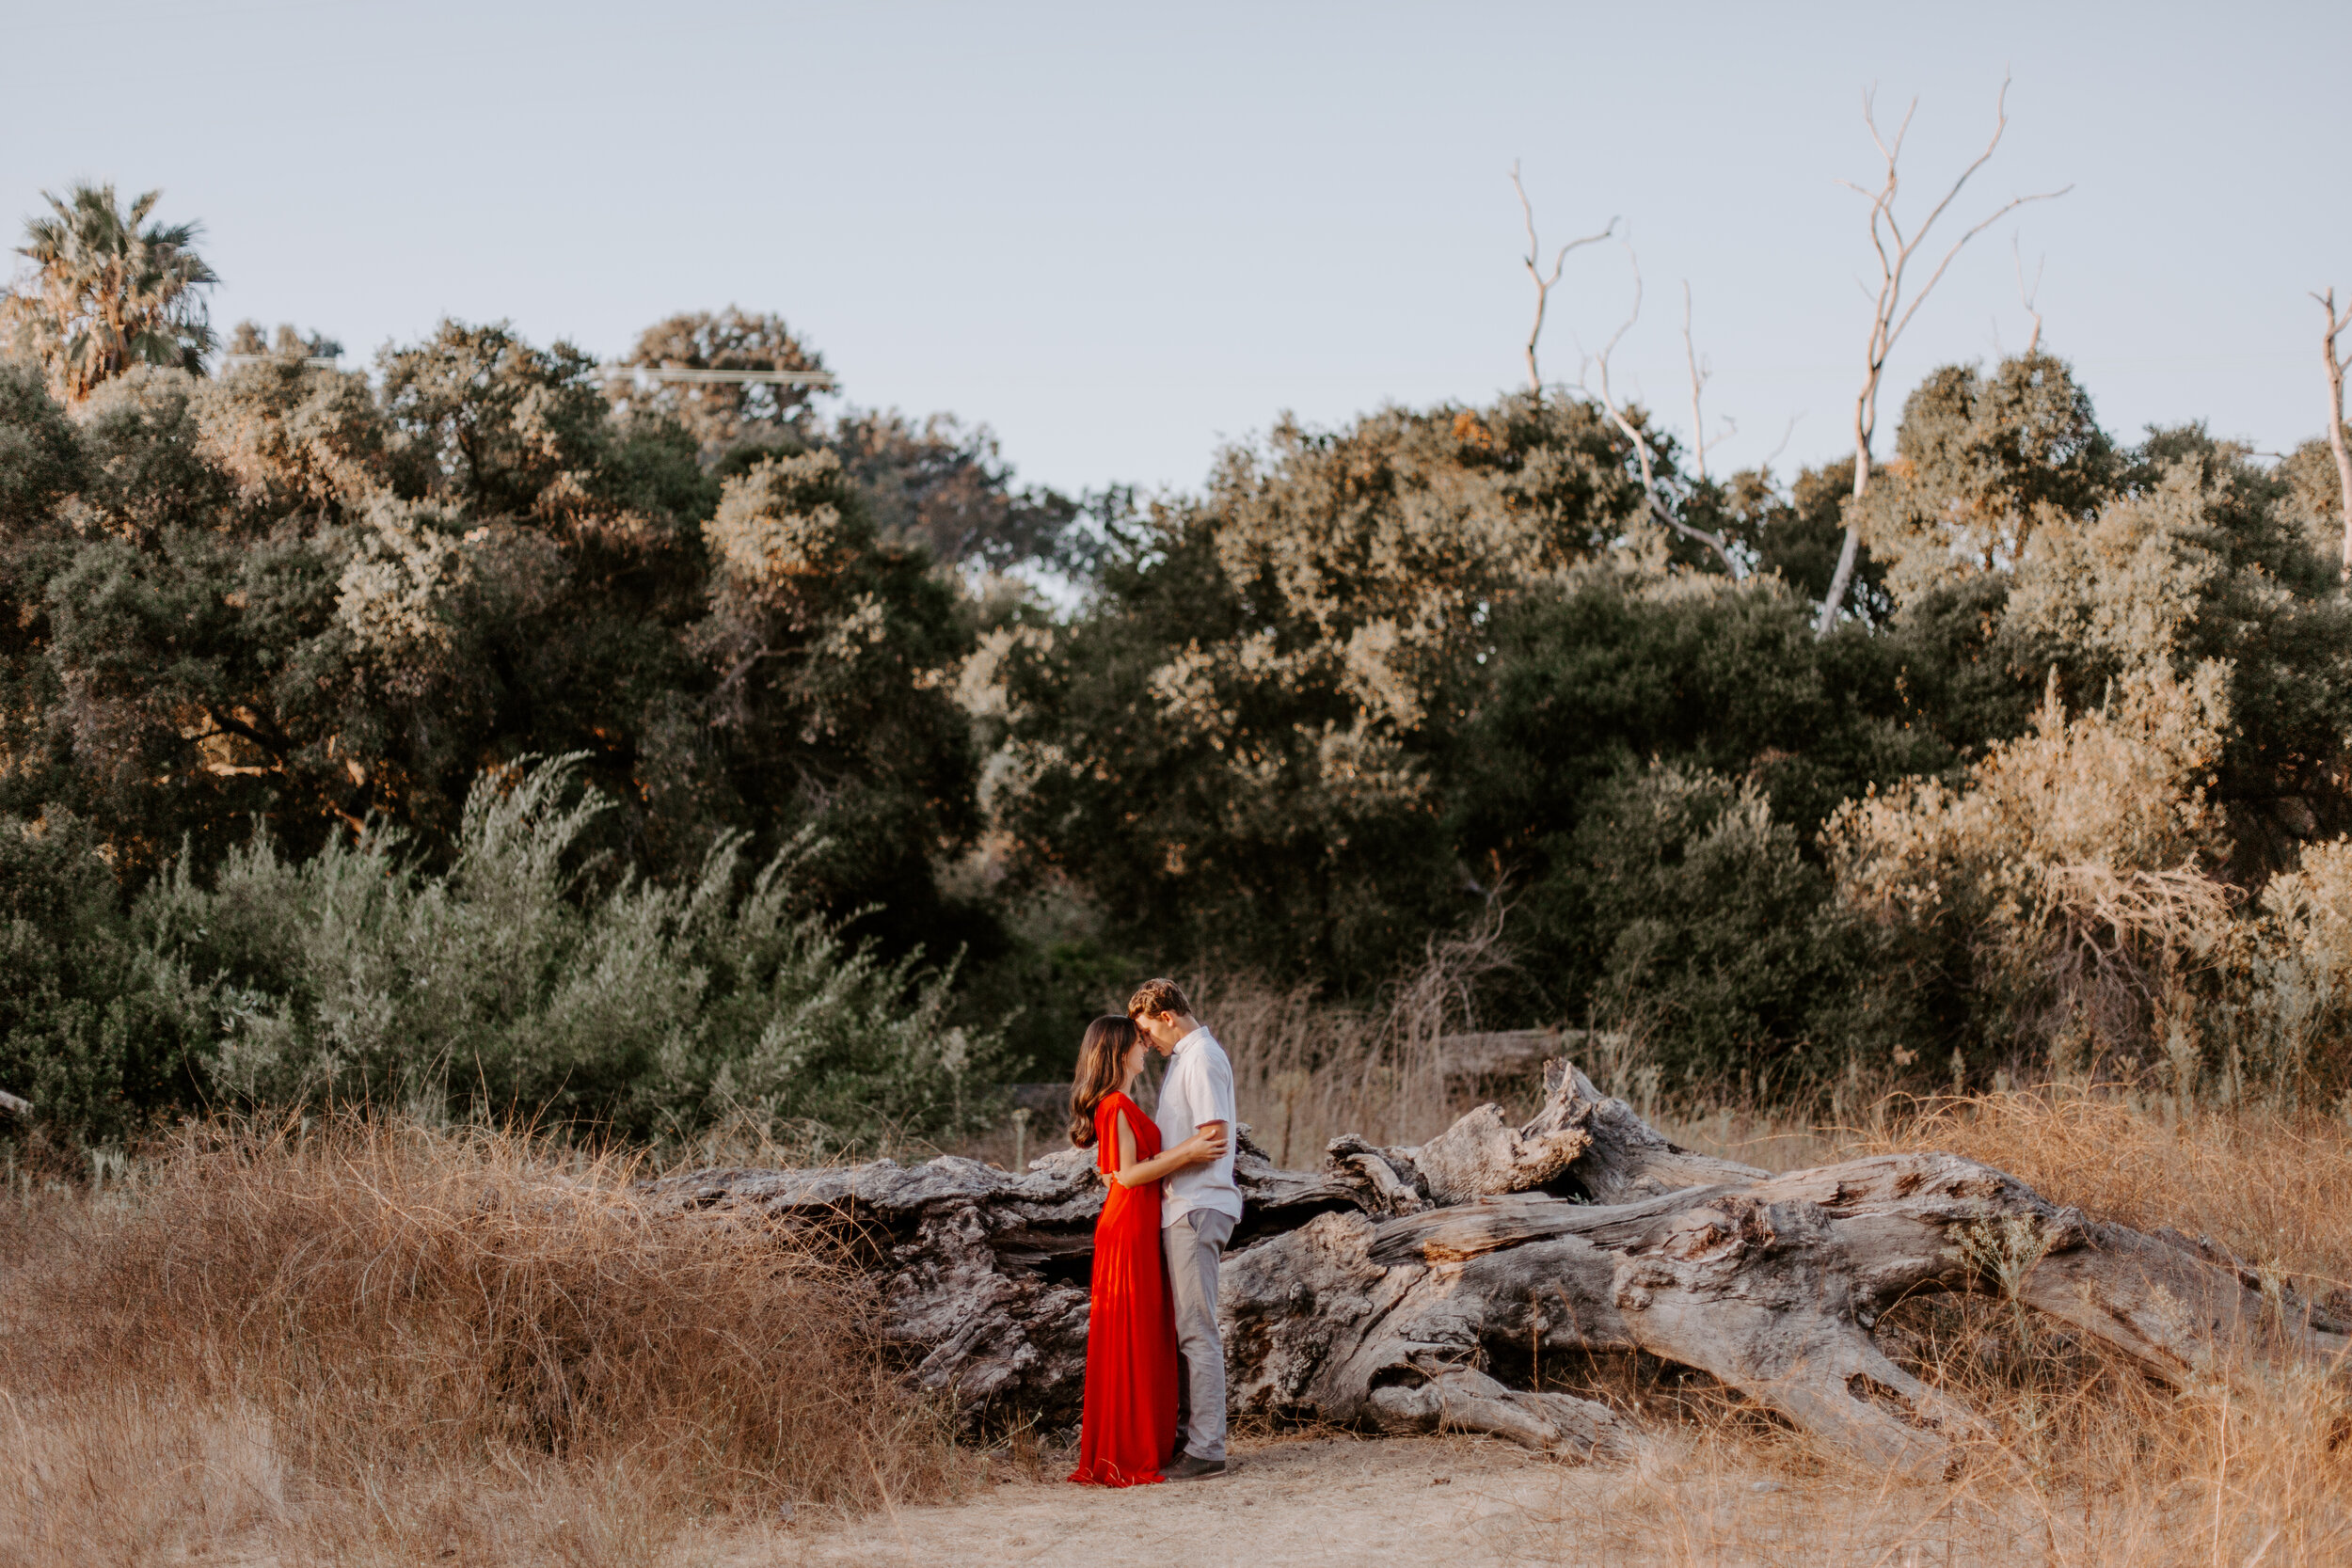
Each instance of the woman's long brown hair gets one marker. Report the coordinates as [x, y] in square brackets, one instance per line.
[1105, 1046]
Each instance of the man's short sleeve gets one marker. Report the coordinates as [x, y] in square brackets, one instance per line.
[1220, 1086]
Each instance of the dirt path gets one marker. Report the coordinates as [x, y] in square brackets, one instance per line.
[1445, 1500]
[1459, 1502]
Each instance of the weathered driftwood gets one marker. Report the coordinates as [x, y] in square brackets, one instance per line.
[1386, 1288]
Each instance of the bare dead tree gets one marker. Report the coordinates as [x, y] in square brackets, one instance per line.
[2336, 366]
[2027, 296]
[1644, 456]
[1893, 308]
[1544, 283]
[1701, 374]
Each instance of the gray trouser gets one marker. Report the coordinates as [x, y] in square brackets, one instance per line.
[1194, 1240]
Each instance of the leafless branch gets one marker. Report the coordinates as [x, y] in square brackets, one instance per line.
[1700, 375]
[1643, 456]
[2027, 296]
[2337, 364]
[1544, 282]
[1894, 305]
[1786, 436]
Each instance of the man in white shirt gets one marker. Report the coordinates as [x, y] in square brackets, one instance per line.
[1199, 1208]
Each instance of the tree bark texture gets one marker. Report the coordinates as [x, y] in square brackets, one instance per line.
[1391, 1289]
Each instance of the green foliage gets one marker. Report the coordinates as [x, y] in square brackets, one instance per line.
[1683, 911]
[1795, 535]
[108, 293]
[1981, 462]
[1604, 670]
[289, 595]
[717, 416]
[41, 459]
[530, 978]
[2061, 789]
[946, 489]
[1234, 750]
[100, 1033]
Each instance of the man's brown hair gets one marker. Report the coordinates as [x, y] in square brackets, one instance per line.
[1157, 996]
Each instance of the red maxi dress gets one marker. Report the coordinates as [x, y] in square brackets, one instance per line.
[1130, 1426]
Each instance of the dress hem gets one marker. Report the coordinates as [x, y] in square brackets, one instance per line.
[1115, 1477]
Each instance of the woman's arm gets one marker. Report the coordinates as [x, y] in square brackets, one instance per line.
[1199, 1149]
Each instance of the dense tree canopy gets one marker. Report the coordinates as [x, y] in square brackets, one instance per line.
[2070, 773]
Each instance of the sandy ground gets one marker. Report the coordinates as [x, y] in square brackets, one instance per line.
[1462, 1503]
[1320, 1500]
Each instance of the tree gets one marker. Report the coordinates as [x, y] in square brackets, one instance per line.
[1234, 750]
[2335, 367]
[827, 652]
[248, 342]
[945, 486]
[1645, 767]
[1632, 426]
[108, 293]
[41, 459]
[284, 594]
[1891, 312]
[1982, 461]
[722, 414]
[1545, 283]
[515, 431]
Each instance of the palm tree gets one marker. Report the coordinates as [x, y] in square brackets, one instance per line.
[106, 293]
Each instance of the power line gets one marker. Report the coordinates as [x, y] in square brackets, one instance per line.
[614, 370]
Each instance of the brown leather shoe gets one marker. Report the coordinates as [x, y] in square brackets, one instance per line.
[1189, 1468]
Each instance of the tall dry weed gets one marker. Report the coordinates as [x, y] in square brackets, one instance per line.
[381, 1343]
[1305, 1071]
[2092, 1462]
[2265, 1182]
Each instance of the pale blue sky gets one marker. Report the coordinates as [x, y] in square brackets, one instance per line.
[1123, 234]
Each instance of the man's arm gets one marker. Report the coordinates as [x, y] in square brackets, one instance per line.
[1196, 1087]
[1217, 1094]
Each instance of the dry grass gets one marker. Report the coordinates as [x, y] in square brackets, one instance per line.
[381, 1345]
[2093, 1463]
[1305, 1071]
[2270, 1185]
[377, 1344]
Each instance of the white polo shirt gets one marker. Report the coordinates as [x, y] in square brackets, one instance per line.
[1199, 1088]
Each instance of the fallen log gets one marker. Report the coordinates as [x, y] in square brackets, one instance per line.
[1385, 1288]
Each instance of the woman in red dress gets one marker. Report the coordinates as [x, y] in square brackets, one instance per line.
[1130, 1426]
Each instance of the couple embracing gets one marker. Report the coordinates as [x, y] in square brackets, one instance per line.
[1156, 1366]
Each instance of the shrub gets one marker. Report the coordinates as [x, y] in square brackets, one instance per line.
[515, 984]
[1681, 906]
[100, 1033]
[2060, 898]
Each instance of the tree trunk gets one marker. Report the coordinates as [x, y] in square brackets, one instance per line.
[2335, 425]
[1385, 1289]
